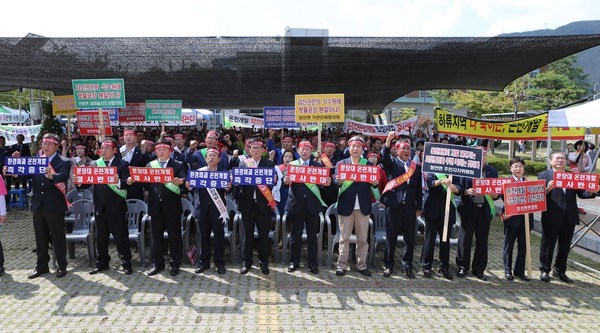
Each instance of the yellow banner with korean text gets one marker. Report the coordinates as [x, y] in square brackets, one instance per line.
[64, 105]
[532, 128]
[322, 108]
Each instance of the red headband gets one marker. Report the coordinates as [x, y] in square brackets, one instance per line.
[373, 154]
[351, 142]
[80, 145]
[163, 145]
[109, 143]
[329, 144]
[130, 132]
[50, 140]
[212, 134]
[305, 144]
[402, 143]
[150, 142]
[213, 150]
[256, 143]
[178, 136]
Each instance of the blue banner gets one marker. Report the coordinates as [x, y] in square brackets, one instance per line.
[253, 176]
[280, 117]
[26, 165]
[208, 179]
[113, 113]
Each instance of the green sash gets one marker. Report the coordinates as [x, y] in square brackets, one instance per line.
[203, 152]
[490, 202]
[442, 176]
[312, 187]
[347, 183]
[121, 192]
[174, 188]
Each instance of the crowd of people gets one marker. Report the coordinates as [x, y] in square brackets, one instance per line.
[403, 189]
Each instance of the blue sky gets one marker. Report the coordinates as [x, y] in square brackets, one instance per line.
[369, 18]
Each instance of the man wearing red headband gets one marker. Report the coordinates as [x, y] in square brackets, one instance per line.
[476, 214]
[164, 208]
[287, 143]
[354, 209]
[110, 209]
[133, 155]
[49, 205]
[403, 199]
[303, 207]
[198, 157]
[255, 212]
[208, 218]
[329, 159]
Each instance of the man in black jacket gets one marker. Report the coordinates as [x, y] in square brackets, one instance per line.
[558, 221]
[110, 209]
[256, 211]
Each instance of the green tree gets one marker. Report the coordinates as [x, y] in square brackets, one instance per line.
[442, 97]
[11, 98]
[50, 123]
[551, 90]
[405, 113]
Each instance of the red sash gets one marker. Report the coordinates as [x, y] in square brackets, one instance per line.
[326, 161]
[61, 186]
[264, 189]
[401, 179]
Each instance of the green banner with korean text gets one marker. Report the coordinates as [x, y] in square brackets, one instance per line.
[163, 110]
[99, 93]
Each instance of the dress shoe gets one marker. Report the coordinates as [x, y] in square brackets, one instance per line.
[340, 272]
[461, 273]
[265, 269]
[98, 269]
[509, 276]
[128, 270]
[365, 272]
[174, 271]
[61, 272]
[292, 268]
[427, 273]
[2, 271]
[481, 276]
[220, 269]
[562, 276]
[409, 273]
[446, 273]
[522, 277]
[155, 270]
[38, 272]
[388, 272]
[313, 269]
[545, 277]
[245, 270]
[201, 269]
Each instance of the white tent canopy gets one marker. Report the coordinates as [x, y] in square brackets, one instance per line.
[582, 115]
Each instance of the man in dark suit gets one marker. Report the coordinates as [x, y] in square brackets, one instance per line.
[476, 212]
[23, 150]
[209, 219]
[353, 216]
[329, 193]
[110, 209]
[255, 211]
[49, 204]
[403, 199]
[433, 213]
[164, 208]
[303, 207]
[132, 154]
[514, 229]
[558, 221]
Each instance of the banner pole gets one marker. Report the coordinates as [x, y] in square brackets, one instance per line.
[447, 211]
[528, 245]
[101, 125]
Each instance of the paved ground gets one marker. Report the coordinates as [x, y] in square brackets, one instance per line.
[285, 302]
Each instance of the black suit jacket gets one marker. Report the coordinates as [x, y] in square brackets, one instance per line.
[347, 199]
[300, 194]
[47, 197]
[465, 208]
[136, 191]
[203, 203]
[104, 197]
[413, 188]
[24, 149]
[561, 205]
[436, 201]
[160, 196]
[245, 194]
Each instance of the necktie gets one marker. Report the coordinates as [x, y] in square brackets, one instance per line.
[162, 164]
[106, 162]
[306, 163]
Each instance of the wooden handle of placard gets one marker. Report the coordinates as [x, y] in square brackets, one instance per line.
[68, 128]
[447, 211]
[101, 125]
[528, 245]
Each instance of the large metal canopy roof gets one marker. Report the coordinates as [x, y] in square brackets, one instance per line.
[253, 72]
